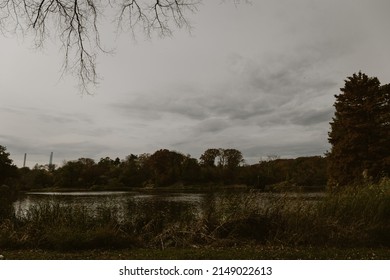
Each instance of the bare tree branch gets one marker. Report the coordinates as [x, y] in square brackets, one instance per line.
[158, 16]
[75, 24]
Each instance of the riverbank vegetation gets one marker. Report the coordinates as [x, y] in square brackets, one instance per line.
[172, 169]
[349, 219]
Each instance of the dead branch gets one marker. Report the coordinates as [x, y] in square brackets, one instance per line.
[75, 24]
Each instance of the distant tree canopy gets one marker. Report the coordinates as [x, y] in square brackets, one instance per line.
[360, 132]
[229, 158]
[301, 171]
[166, 168]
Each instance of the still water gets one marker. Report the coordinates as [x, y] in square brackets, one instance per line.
[168, 203]
[120, 202]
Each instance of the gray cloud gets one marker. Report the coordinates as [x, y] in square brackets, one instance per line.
[47, 115]
[312, 117]
[154, 106]
[305, 147]
[61, 118]
[75, 150]
[211, 125]
[251, 93]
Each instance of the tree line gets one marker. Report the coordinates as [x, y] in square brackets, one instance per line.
[166, 168]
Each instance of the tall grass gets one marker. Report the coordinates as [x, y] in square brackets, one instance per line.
[359, 215]
[353, 217]
[56, 226]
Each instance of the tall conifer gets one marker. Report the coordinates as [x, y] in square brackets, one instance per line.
[359, 133]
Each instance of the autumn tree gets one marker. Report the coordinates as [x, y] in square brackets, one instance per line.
[191, 172]
[83, 172]
[221, 164]
[135, 170]
[308, 171]
[208, 158]
[166, 167]
[231, 158]
[360, 132]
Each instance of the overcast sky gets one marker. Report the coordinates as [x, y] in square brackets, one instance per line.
[260, 78]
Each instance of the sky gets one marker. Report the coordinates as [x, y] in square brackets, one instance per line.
[259, 77]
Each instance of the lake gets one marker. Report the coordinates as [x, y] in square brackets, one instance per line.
[166, 203]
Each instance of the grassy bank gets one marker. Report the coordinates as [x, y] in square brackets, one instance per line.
[351, 221]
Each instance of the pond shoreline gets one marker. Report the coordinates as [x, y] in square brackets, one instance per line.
[143, 189]
[189, 188]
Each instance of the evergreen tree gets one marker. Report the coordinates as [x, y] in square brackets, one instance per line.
[360, 132]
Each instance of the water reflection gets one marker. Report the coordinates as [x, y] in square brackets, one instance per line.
[166, 205]
[123, 203]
